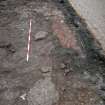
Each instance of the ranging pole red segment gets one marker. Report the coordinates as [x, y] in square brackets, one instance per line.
[29, 40]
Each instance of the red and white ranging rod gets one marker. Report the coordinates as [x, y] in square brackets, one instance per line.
[29, 40]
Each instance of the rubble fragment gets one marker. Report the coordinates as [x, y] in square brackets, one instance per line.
[40, 35]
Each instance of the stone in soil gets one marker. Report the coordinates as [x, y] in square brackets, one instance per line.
[66, 71]
[43, 93]
[46, 69]
[40, 35]
[62, 66]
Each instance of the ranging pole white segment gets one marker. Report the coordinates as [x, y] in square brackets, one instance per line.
[29, 40]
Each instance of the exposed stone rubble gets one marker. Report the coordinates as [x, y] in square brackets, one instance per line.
[43, 93]
[40, 35]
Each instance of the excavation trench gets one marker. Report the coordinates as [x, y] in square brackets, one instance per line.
[65, 67]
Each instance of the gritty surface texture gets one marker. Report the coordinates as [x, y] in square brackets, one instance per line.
[43, 93]
[62, 70]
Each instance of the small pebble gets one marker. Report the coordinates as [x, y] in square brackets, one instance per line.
[62, 21]
[66, 71]
[62, 65]
[23, 96]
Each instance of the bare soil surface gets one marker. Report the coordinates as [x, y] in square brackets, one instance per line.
[64, 67]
